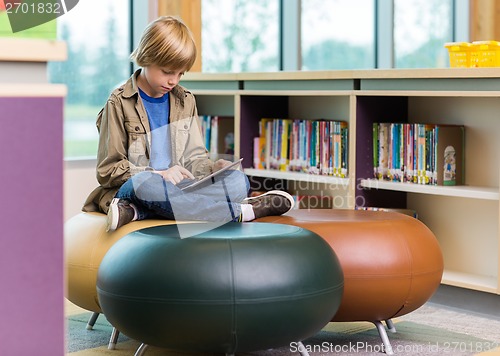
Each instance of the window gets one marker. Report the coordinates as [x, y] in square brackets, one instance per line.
[240, 35]
[338, 34]
[98, 40]
[420, 30]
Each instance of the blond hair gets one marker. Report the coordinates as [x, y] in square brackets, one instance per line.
[166, 42]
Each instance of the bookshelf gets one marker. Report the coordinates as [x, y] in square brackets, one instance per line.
[465, 219]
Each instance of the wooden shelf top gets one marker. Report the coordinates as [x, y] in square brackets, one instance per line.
[428, 73]
[31, 50]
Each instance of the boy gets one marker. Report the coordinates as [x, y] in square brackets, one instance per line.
[150, 145]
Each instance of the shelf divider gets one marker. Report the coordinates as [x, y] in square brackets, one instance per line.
[463, 191]
[470, 281]
[296, 176]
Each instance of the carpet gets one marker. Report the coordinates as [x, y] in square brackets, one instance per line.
[430, 330]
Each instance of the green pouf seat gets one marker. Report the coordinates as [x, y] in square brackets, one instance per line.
[235, 287]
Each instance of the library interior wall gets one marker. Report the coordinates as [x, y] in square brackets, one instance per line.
[79, 181]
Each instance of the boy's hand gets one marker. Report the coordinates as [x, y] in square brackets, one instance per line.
[221, 163]
[175, 174]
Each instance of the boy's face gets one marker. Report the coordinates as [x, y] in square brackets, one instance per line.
[157, 81]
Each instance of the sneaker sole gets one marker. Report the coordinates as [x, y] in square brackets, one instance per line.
[274, 192]
[112, 218]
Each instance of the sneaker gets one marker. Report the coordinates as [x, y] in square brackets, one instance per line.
[274, 202]
[120, 213]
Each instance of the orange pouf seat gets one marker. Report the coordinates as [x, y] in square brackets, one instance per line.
[392, 262]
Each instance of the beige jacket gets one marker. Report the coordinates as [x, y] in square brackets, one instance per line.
[125, 140]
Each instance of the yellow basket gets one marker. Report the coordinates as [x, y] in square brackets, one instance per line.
[488, 53]
[461, 54]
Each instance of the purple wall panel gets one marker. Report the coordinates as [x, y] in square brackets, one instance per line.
[254, 108]
[31, 216]
[372, 109]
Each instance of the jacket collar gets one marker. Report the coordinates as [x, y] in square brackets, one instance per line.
[130, 89]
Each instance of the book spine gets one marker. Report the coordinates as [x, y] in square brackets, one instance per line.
[344, 149]
[376, 143]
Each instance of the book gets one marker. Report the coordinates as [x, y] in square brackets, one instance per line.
[205, 126]
[284, 155]
[449, 154]
[383, 151]
[225, 132]
[344, 149]
[257, 153]
[375, 146]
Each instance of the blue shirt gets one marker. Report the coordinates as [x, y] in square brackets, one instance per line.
[158, 110]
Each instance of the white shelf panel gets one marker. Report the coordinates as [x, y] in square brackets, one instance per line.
[296, 176]
[221, 92]
[313, 93]
[462, 191]
[470, 281]
[298, 92]
[430, 93]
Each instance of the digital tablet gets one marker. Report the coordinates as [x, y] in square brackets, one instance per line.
[196, 182]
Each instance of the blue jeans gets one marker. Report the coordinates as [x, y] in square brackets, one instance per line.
[217, 201]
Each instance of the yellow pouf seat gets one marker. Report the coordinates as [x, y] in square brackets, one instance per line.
[86, 242]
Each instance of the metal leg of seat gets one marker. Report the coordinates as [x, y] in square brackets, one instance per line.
[92, 320]
[384, 337]
[113, 339]
[390, 326]
[141, 350]
[302, 349]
